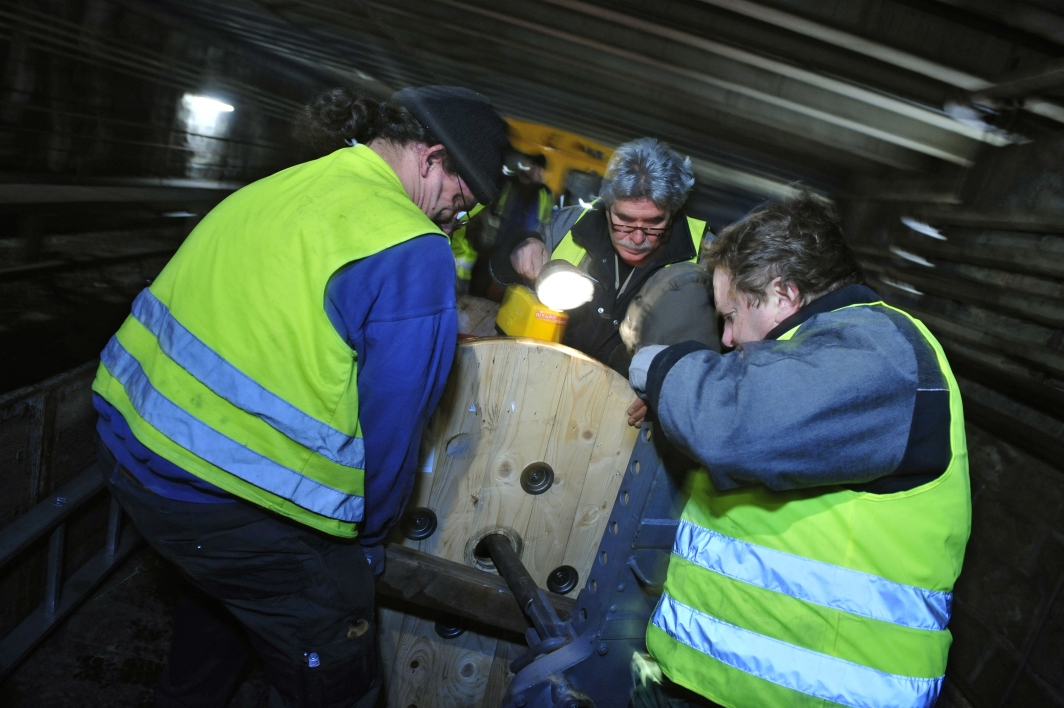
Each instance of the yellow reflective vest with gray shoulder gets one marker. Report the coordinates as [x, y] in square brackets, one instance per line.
[229, 366]
[822, 596]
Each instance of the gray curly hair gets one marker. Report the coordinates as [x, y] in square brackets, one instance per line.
[647, 168]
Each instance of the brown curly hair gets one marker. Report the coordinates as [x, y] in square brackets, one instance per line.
[339, 115]
[798, 240]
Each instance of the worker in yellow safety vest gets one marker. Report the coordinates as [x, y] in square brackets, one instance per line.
[637, 228]
[261, 409]
[465, 256]
[815, 561]
[524, 204]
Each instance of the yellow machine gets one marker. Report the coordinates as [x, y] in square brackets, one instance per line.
[523, 315]
[565, 152]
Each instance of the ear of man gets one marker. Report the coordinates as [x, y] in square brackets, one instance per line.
[786, 298]
[431, 156]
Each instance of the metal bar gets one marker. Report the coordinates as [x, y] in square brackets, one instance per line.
[442, 585]
[863, 109]
[95, 194]
[53, 588]
[33, 630]
[114, 527]
[1024, 16]
[1003, 221]
[34, 269]
[1024, 83]
[531, 598]
[45, 516]
[850, 42]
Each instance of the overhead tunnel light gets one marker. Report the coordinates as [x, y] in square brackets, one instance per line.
[204, 113]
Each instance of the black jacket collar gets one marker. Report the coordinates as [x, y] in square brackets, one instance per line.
[592, 233]
[843, 297]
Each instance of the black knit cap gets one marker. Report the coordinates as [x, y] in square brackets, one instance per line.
[468, 126]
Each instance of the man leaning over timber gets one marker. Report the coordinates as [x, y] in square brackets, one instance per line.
[816, 558]
[262, 407]
[623, 240]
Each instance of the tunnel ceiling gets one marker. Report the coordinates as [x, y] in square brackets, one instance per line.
[759, 94]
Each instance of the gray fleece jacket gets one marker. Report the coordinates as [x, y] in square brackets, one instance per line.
[855, 398]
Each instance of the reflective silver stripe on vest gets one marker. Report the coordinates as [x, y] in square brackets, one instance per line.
[205, 442]
[799, 669]
[217, 374]
[813, 581]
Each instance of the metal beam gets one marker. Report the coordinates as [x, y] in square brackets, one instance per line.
[995, 220]
[36, 523]
[1047, 311]
[801, 109]
[779, 68]
[666, 109]
[44, 267]
[848, 41]
[1021, 15]
[876, 50]
[1025, 83]
[33, 630]
[88, 193]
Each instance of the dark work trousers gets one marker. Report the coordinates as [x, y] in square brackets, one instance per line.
[304, 600]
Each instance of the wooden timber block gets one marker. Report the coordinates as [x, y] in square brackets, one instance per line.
[509, 404]
[476, 316]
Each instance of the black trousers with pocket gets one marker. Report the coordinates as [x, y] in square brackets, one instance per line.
[304, 600]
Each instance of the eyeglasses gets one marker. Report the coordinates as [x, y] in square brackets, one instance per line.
[467, 203]
[648, 231]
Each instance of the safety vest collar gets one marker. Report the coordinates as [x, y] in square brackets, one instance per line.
[843, 297]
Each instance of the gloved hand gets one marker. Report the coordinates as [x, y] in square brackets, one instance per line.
[375, 558]
[637, 370]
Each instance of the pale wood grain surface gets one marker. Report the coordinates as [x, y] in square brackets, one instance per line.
[509, 403]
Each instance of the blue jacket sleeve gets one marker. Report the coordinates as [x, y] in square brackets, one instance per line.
[833, 405]
[397, 310]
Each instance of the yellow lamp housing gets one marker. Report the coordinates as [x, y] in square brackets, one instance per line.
[523, 315]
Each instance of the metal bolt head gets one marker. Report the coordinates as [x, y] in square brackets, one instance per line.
[602, 649]
[537, 478]
[419, 523]
[563, 579]
[449, 626]
[520, 701]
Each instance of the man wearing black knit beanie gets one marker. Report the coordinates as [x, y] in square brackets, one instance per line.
[261, 409]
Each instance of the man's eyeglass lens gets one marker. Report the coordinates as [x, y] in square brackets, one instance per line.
[647, 230]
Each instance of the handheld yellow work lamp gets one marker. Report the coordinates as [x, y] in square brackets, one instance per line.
[559, 287]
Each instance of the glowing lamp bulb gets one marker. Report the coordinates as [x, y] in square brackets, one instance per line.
[560, 286]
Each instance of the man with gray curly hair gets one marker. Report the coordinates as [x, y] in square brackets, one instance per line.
[636, 228]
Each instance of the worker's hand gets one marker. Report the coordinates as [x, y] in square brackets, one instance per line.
[640, 367]
[529, 257]
[637, 412]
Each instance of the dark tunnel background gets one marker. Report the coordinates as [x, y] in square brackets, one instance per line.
[943, 115]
